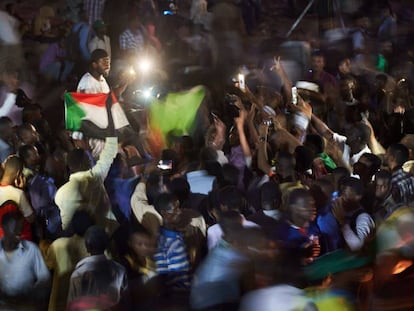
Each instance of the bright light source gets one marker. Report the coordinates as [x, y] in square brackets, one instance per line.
[131, 71]
[147, 93]
[145, 65]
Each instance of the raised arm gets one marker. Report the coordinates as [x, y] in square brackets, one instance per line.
[280, 71]
[262, 160]
[322, 128]
[373, 143]
[239, 121]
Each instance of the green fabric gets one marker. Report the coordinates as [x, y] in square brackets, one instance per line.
[335, 262]
[176, 113]
[327, 160]
[74, 113]
[381, 63]
[330, 300]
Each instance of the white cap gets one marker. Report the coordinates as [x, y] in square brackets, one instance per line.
[306, 85]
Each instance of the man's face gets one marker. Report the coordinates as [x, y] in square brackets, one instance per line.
[345, 67]
[303, 211]
[354, 142]
[318, 63]
[30, 137]
[13, 230]
[382, 188]
[34, 158]
[170, 216]
[350, 196]
[134, 24]
[102, 66]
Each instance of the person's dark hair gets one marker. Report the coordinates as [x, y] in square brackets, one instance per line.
[317, 53]
[303, 159]
[22, 128]
[163, 202]
[230, 175]
[179, 187]
[231, 197]
[24, 152]
[78, 160]
[207, 154]
[9, 218]
[298, 194]
[353, 183]
[9, 7]
[375, 162]
[321, 191]
[97, 55]
[28, 110]
[338, 174]
[152, 186]
[363, 131]
[399, 152]
[138, 230]
[5, 121]
[384, 175]
[315, 142]
[270, 193]
[231, 224]
[96, 240]
[81, 222]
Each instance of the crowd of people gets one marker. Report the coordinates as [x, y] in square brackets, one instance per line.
[298, 198]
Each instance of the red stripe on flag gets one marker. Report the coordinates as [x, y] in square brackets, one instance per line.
[91, 99]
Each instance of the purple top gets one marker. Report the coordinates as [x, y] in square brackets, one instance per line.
[52, 54]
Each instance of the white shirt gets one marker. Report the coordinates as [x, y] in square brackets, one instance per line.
[88, 84]
[280, 297]
[215, 233]
[85, 189]
[346, 152]
[17, 195]
[9, 34]
[98, 43]
[11, 110]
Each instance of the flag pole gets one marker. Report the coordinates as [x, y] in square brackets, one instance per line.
[296, 23]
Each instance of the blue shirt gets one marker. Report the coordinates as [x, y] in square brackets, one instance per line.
[171, 259]
[217, 279]
[200, 181]
[23, 271]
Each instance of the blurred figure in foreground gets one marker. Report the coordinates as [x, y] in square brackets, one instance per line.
[97, 278]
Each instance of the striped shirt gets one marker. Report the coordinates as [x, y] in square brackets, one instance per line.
[95, 9]
[171, 259]
[404, 182]
[131, 40]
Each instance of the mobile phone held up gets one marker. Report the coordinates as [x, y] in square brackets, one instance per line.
[165, 165]
[242, 82]
[294, 95]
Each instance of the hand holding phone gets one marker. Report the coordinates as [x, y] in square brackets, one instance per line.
[165, 164]
[242, 82]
